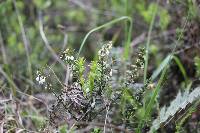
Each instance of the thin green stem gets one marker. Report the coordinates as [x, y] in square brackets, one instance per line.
[126, 23]
[127, 44]
[148, 42]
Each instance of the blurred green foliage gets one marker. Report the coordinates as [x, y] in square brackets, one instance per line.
[147, 14]
[55, 13]
[197, 64]
[63, 128]
[96, 130]
[77, 18]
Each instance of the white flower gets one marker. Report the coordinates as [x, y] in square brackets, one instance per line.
[41, 79]
[110, 72]
[38, 78]
[101, 53]
[76, 84]
[93, 103]
[109, 44]
[69, 58]
[107, 52]
[72, 58]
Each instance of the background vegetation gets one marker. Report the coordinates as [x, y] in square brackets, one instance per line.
[34, 33]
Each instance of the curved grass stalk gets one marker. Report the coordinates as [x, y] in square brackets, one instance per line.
[127, 44]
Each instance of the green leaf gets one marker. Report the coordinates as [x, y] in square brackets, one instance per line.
[182, 69]
[164, 18]
[179, 103]
[63, 128]
[197, 65]
[164, 63]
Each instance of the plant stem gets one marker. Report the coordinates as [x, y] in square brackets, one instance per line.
[147, 44]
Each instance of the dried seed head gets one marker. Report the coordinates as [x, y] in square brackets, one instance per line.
[75, 93]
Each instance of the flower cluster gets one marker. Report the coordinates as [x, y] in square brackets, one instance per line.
[85, 95]
[133, 72]
[141, 58]
[67, 56]
[105, 50]
[73, 63]
[104, 68]
[41, 79]
[80, 97]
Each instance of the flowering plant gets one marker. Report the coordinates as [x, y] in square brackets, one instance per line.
[88, 93]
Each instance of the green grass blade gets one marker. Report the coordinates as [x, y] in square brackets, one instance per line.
[148, 42]
[163, 64]
[151, 102]
[126, 49]
[10, 81]
[181, 67]
[155, 93]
